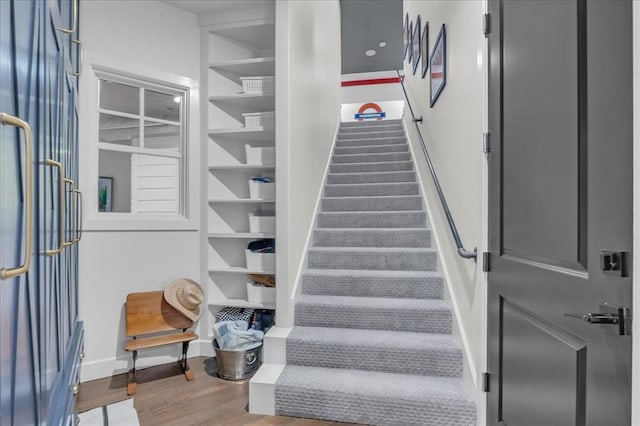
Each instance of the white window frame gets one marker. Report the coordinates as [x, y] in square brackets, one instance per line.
[188, 216]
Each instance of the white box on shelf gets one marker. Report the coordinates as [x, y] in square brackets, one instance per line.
[257, 293]
[264, 156]
[264, 224]
[262, 190]
[266, 120]
[260, 261]
[258, 84]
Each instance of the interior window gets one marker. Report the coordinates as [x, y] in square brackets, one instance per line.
[141, 139]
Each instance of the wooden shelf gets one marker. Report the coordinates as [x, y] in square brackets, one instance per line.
[244, 134]
[244, 167]
[247, 67]
[240, 235]
[249, 102]
[238, 270]
[239, 200]
[259, 34]
[241, 303]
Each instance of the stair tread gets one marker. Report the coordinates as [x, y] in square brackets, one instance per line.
[372, 273]
[377, 163]
[373, 184]
[393, 145]
[373, 197]
[374, 338]
[383, 212]
[393, 172]
[388, 386]
[375, 302]
[374, 249]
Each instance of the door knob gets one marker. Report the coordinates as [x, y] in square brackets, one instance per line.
[596, 317]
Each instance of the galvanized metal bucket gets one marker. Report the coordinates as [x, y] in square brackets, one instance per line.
[237, 365]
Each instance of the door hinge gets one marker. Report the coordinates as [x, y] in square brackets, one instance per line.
[485, 261]
[486, 24]
[485, 381]
[486, 142]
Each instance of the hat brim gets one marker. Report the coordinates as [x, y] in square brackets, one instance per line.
[170, 295]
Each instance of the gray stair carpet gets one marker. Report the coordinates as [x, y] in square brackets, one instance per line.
[372, 339]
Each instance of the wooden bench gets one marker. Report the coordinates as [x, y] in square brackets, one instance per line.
[152, 322]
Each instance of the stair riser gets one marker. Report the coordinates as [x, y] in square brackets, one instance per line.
[371, 158]
[375, 149]
[370, 124]
[419, 321]
[371, 190]
[342, 143]
[372, 238]
[372, 167]
[371, 204]
[390, 128]
[372, 134]
[434, 362]
[373, 220]
[346, 285]
[371, 178]
[400, 261]
[290, 401]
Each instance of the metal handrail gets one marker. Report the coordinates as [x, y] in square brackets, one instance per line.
[467, 254]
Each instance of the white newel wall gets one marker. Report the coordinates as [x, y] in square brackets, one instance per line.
[308, 106]
[453, 131]
[153, 39]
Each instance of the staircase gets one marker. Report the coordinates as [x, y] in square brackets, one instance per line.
[372, 338]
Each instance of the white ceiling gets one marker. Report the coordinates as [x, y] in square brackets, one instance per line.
[365, 23]
[205, 7]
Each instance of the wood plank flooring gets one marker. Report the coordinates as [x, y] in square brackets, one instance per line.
[164, 397]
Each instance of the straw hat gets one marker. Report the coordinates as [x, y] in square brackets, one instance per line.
[185, 296]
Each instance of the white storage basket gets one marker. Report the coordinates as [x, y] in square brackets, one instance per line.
[262, 190]
[257, 293]
[264, 156]
[260, 261]
[266, 120]
[262, 224]
[258, 85]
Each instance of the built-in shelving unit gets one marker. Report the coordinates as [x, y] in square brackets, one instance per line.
[236, 153]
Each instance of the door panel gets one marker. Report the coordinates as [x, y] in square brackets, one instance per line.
[549, 204]
[560, 192]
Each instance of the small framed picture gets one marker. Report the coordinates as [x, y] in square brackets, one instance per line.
[105, 194]
[406, 36]
[410, 35]
[438, 65]
[416, 46]
[424, 49]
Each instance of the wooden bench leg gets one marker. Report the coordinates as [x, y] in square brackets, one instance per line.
[183, 362]
[132, 385]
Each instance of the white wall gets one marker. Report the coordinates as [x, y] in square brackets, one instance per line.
[453, 131]
[308, 111]
[635, 394]
[149, 38]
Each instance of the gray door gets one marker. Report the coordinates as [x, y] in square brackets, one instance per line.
[560, 194]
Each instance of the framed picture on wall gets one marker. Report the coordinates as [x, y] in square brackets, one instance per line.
[405, 35]
[438, 65]
[424, 48]
[410, 35]
[416, 45]
[105, 194]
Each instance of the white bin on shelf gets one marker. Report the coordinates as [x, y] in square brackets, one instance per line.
[266, 120]
[260, 261]
[264, 156]
[265, 224]
[262, 190]
[258, 85]
[257, 293]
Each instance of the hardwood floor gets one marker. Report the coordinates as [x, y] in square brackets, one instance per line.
[164, 397]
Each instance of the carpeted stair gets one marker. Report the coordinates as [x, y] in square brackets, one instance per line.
[372, 338]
